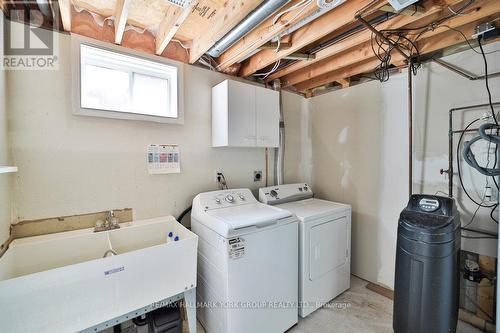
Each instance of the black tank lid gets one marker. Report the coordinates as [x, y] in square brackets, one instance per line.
[429, 218]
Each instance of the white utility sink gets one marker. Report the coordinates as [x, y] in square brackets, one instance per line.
[61, 282]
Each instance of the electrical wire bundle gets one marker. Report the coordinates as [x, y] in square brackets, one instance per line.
[383, 48]
[406, 40]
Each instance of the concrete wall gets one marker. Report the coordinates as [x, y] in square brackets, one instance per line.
[74, 164]
[354, 150]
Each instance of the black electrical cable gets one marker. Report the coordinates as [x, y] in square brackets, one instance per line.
[486, 79]
[491, 213]
[184, 213]
[473, 216]
[467, 41]
[398, 38]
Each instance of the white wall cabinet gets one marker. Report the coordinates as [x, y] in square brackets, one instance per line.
[244, 115]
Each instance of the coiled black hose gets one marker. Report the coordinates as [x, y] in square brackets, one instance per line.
[469, 155]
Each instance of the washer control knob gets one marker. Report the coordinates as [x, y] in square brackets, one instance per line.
[242, 198]
[217, 200]
[229, 198]
[274, 194]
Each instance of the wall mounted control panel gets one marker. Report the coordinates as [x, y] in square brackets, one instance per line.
[274, 195]
[226, 198]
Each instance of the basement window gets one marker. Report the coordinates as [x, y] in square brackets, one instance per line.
[117, 85]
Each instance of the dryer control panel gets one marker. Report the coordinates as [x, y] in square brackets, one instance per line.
[226, 198]
[274, 195]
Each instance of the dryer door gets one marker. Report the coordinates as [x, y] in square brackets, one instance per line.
[328, 247]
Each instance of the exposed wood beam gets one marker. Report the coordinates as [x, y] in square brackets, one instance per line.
[432, 7]
[65, 10]
[84, 24]
[412, 10]
[364, 50]
[169, 25]
[274, 46]
[284, 43]
[121, 14]
[263, 33]
[428, 45]
[317, 29]
[226, 18]
[344, 82]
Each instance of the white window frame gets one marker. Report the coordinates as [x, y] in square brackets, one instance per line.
[77, 41]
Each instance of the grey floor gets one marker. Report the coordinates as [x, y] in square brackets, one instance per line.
[357, 310]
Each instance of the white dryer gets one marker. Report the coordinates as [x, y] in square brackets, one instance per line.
[247, 263]
[324, 243]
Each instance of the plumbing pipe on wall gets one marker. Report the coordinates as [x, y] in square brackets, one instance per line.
[410, 129]
[279, 153]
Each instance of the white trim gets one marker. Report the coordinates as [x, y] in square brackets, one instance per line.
[76, 41]
[8, 169]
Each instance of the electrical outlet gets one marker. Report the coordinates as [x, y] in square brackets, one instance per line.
[257, 176]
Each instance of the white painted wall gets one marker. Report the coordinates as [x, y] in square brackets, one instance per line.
[355, 145]
[74, 164]
[5, 179]
[436, 91]
[359, 157]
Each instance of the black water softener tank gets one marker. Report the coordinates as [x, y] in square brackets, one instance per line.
[426, 287]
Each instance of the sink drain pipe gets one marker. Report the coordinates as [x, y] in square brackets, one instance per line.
[279, 153]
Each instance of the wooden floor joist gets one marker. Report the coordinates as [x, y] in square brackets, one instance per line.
[121, 15]
[263, 33]
[432, 7]
[170, 24]
[225, 18]
[322, 26]
[335, 44]
[486, 8]
[428, 45]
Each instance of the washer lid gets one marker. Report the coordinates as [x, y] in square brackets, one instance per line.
[310, 209]
[255, 214]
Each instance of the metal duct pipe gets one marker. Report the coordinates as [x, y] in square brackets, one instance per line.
[323, 7]
[251, 21]
[279, 153]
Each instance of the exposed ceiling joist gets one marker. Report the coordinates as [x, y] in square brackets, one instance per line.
[263, 33]
[317, 29]
[65, 10]
[344, 82]
[412, 10]
[428, 45]
[170, 24]
[432, 7]
[121, 15]
[483, 9]
[226, 18]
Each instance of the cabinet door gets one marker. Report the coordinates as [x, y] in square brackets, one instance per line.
[268, 117]
[241, 115]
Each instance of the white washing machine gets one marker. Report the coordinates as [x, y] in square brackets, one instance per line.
[247, 263]
[324, 243]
